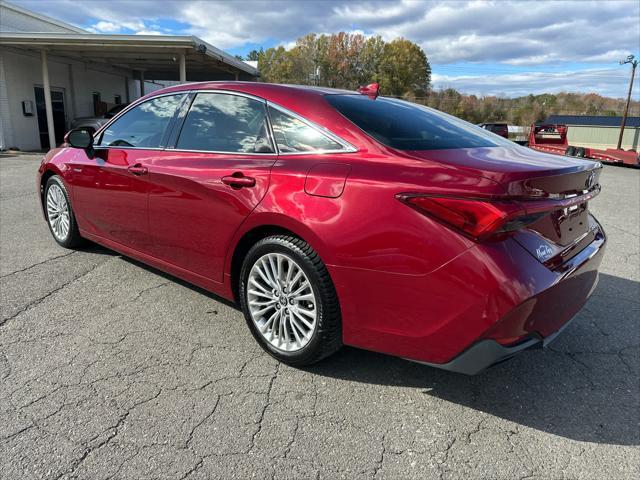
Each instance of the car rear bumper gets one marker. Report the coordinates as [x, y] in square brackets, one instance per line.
[487, 353]
[484, 306]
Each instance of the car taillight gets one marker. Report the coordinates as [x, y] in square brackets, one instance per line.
[478, 219]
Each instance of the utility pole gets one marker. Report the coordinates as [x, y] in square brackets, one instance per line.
[634, 63]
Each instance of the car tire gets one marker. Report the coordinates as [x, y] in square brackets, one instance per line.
[59, 214]
[282, 276]
[580, 152]
[570, 151]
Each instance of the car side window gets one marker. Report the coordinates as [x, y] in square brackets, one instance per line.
[221, 122]
[144, 126]
[293, 135]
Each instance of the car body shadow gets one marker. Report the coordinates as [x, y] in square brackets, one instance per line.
[584, 387]
[179, 281]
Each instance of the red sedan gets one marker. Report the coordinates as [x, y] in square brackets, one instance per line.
[334, 217]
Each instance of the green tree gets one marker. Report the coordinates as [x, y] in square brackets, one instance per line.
[305, 58]
[254, 55]
[371, 55]
[275, 65]
[404, 70]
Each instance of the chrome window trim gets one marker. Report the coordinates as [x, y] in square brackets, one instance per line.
[217, 152]
[116, 147]
[346, 146]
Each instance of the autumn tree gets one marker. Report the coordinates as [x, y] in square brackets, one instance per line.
[340, 60]
[349, 60]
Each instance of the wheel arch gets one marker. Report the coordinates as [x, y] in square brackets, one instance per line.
[44, 177]
[255, 231]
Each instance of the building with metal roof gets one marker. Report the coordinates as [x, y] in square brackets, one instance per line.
[592, 120]
[599, 131]
[52, 72]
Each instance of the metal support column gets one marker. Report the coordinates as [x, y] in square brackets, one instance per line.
[183, 68]
[142, 83]
[126, 89]
[47, 99]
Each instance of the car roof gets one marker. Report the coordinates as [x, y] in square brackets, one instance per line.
[304, 100]
[307, 101]
[259, 89]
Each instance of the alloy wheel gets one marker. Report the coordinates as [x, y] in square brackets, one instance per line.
[281, 302]
[58, 212]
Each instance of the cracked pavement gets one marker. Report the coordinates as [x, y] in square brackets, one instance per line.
[112, 370]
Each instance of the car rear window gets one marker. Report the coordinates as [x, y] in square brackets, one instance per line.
[408, 126]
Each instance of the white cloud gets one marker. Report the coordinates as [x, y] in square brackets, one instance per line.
[515, 32]
[106, 27]
[505, 32]
[149, 32]
[609, 82]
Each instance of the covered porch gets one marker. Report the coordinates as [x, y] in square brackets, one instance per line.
[135, 57]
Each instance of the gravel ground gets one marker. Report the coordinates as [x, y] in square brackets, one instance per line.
[109, 369]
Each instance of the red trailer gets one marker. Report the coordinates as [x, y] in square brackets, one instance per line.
[552, 138]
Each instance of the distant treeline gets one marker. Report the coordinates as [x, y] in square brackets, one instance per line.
[346, 60]
[524, 110]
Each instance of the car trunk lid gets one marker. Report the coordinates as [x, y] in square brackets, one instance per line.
[558, 186]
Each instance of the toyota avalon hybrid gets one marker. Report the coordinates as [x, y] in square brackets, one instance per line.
[337, 218]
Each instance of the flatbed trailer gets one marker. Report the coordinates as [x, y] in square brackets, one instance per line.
[552, 138]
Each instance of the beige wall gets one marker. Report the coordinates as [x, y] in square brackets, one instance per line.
[23, 71]
[603, 137]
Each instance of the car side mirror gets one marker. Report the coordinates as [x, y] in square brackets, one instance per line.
[81, 138]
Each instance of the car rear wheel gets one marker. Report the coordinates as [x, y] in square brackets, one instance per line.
[289, 301]
[60, 217]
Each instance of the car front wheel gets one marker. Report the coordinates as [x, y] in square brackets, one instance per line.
[60, 217]
[289, 301]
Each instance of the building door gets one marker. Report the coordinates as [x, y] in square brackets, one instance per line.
[59, 119]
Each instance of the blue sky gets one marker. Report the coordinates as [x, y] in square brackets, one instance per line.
[506, 48]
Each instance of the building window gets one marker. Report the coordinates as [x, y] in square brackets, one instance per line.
[117, 99]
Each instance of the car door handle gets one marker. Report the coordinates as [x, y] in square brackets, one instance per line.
[238, 180]
[138, 169]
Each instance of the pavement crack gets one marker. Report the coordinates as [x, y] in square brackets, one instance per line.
[380, 461]
[187, 443]
[145, 290]
[38, 264]
[609, 225]
[293, 438]
[264, 409]
[39, 300]
[113, 432]
[474, 431]
[193, 470]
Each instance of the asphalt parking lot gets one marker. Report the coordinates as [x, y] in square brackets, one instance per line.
[109, 369]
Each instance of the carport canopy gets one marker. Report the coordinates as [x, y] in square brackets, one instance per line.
[156, 57]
